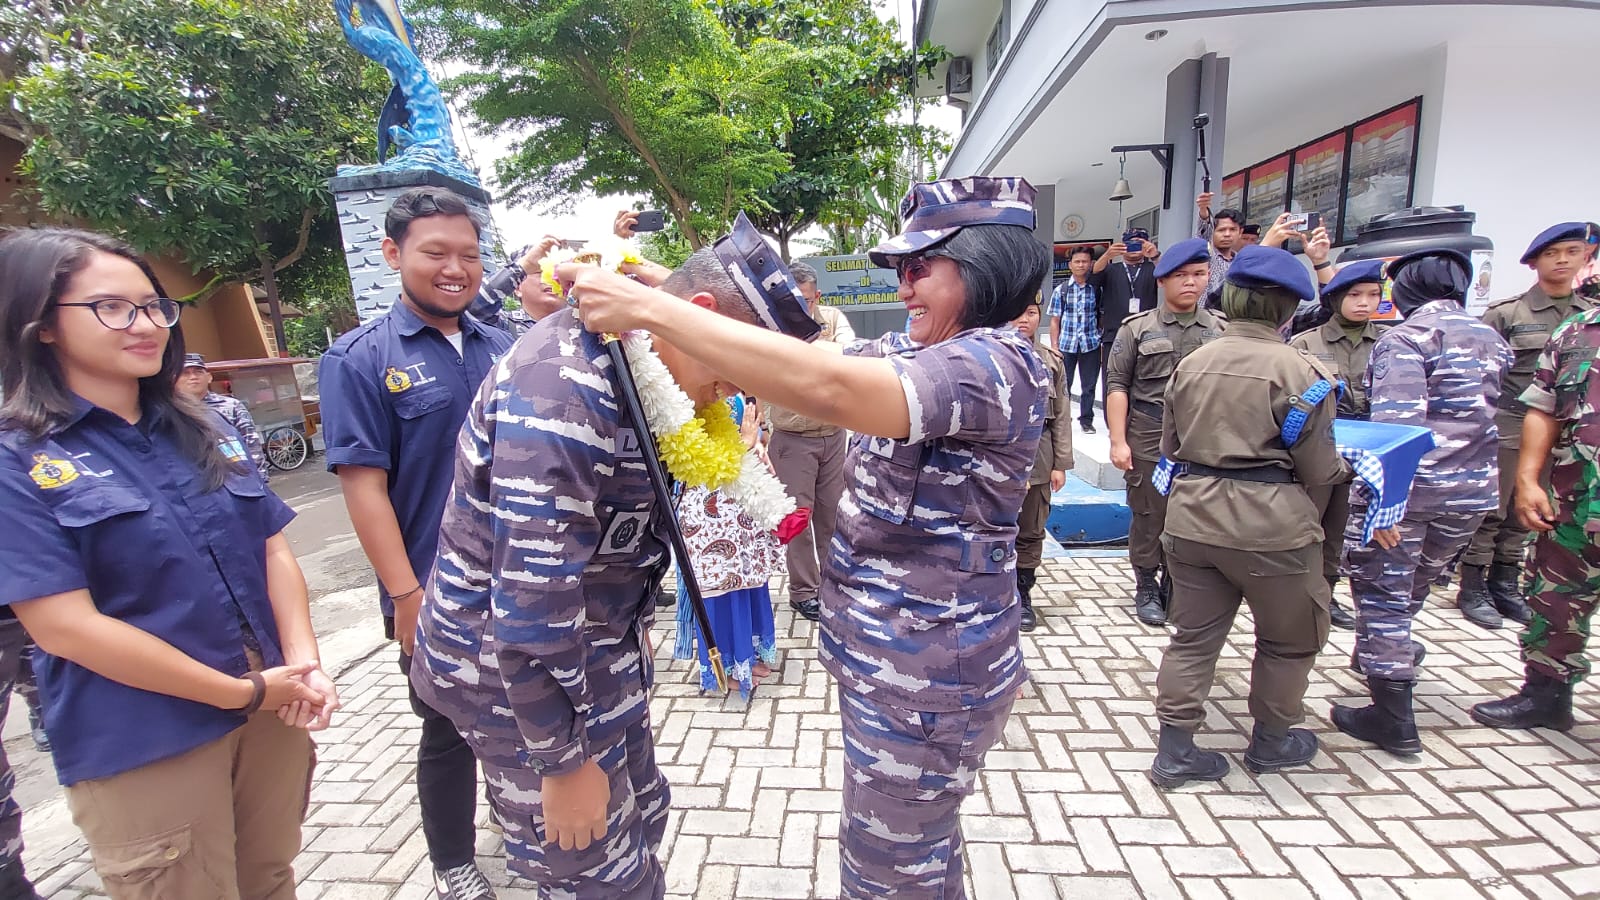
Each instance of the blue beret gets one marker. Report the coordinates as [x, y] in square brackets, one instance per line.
[934, 210]
[194, 361]
[1259, 267]
[1366, 271]
[1183, 253]
[1566, 231]
[760, 275]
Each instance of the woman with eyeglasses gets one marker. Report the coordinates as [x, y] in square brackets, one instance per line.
[142, 552]
[920, 616]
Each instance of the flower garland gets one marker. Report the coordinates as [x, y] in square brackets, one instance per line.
[699, 447]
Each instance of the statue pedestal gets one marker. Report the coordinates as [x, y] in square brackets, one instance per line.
[363, 200]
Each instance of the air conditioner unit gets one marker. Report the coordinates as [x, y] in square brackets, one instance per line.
[958, 78]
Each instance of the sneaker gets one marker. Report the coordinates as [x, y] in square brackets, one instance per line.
[464, 882]
[811, 609]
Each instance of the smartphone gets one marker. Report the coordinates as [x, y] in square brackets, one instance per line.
[1313, 221]
[650, 220]
[1297, 221]
[1134, 243]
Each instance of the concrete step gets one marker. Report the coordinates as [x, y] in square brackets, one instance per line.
[1092, 507]
[1081, 513]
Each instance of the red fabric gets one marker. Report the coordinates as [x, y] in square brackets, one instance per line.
[793, 524]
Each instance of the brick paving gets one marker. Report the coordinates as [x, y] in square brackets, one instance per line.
[1063, 809]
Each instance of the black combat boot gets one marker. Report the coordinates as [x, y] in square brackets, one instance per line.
[1505, 588]
[1025, 581]
[1338, 616]
[1147, 603]
[1543, 702]
[1179, 761]
[1474, 600]
[1418, 654]
[1270, 751]
[1388, 722]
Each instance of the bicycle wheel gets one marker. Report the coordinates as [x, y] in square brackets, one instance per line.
[286, 449]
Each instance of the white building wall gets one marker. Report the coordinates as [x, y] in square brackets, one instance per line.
[1515, 146]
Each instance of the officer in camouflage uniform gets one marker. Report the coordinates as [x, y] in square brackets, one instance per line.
[1344, 344]
[531, 637]
[1563, 401]
[1050, 465]
[1146, 350]
[1526, 322]
[195, 381]
[919, 604]
[1441, 369]
[1248, 430]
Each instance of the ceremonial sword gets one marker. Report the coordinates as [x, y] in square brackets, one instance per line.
[663, 490]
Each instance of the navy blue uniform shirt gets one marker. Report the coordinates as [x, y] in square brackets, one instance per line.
[116, 509]
[394, 395]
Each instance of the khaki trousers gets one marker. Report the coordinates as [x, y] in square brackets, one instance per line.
[812, 471]
[1031, 526]
[220, 822]
[1289, 598]
[1149, 510]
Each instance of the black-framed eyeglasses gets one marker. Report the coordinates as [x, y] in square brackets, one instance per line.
[118, 313]
[914, 267]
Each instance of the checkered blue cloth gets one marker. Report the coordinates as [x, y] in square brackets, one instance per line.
[1166, 470]
[1382, 511]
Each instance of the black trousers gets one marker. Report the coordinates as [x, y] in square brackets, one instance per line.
[1086, 366]
[447, 784]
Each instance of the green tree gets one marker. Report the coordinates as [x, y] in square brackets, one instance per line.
[205, 128]
[853, 131]
[625, 96]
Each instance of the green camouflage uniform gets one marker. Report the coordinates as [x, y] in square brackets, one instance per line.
[1565, 567]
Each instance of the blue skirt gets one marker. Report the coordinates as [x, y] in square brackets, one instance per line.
[741, 622]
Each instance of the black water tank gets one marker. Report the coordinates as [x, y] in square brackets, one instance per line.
[1421, 228]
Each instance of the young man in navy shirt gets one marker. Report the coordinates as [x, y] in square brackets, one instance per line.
[394, 394]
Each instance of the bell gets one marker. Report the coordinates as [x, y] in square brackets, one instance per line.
[1123, 191]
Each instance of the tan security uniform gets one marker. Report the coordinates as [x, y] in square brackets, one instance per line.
[1054, 455]
[1526, 322]
[1254, 535]
[1346, 357]
[808, 457]
[1147, 348]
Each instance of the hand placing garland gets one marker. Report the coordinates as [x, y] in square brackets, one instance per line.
[699, 447]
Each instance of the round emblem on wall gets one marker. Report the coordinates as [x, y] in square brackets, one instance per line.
[1071, 226]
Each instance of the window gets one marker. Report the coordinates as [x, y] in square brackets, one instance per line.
[997, 42]
[1359, 172]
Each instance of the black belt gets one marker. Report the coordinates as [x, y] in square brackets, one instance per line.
[1153, 410]
[1259, 474]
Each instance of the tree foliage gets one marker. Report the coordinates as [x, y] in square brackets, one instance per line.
[786, 109]
[206, 128]
[852, 134]
[623, 96]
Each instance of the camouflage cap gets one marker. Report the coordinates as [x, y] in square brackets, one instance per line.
[760, 275]
[194, 361]
[934, 210]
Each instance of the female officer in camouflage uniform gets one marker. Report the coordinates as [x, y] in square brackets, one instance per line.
[919, 605]
[1344, 344]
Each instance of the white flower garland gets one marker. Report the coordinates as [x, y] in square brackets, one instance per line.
[667, 408]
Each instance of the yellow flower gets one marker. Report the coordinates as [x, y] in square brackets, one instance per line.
[707, 451]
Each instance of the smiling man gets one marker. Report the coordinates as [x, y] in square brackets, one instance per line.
[394, 394]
